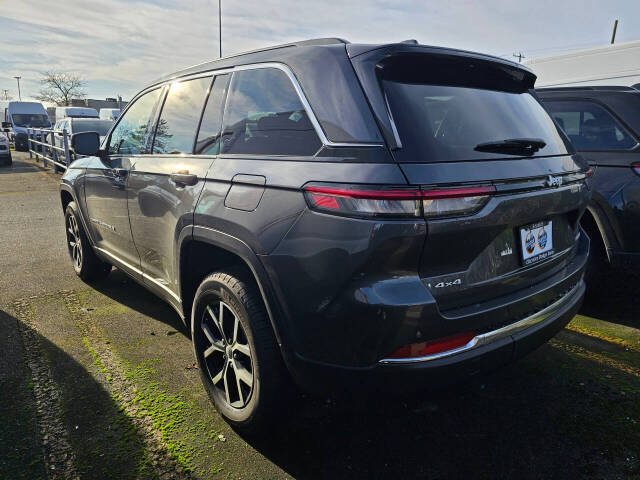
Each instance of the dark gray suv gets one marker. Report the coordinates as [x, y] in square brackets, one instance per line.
[349, 216]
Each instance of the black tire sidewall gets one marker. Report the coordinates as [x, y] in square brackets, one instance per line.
[92, 267]
[71, 210]
[210, 292]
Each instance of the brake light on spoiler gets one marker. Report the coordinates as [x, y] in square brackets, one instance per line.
[356, 201]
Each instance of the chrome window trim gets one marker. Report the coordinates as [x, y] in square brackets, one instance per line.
[494, 335]
[297, 87]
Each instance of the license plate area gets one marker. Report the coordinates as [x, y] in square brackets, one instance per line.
[536, 242]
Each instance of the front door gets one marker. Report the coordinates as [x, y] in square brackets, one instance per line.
[164, 187]
[106, 184]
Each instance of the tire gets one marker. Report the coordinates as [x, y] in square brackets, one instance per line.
[238, 357]
[85, 262]
[598, 267]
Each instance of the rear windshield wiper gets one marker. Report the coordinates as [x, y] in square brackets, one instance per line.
[512, 146]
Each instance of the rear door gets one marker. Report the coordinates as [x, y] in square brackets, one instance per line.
[106, 180]
[502, 190]
[163, 187]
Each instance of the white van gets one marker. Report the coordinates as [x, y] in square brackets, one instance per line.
[617, 64]
[109, 113]
[22, 115]
[76, 112]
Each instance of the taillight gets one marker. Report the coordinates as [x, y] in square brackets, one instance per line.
[353, 200]
[455, 201]
[432, 347]
[636, 167]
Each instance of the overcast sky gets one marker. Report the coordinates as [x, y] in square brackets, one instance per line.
[117, 46]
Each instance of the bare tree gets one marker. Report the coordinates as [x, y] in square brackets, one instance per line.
[60, 88]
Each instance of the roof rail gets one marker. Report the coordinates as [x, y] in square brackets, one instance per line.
[318, 41]
[302, 43]
[411, 41]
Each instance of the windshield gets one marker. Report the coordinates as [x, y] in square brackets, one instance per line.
[30, 120]
[100, 126]
[454, 123]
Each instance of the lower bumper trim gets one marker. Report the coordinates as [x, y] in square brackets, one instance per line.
[494, 335]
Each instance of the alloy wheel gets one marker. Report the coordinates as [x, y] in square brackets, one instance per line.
[74, 241]
[226, 353]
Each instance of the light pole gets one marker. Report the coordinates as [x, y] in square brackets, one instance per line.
[220, 25]
[19, 94]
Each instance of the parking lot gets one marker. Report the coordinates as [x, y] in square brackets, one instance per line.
[99, 382]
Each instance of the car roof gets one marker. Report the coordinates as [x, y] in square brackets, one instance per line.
[277, 52]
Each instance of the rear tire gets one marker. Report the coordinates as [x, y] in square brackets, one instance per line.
[86, 263]
[238, 357]
[598, 266]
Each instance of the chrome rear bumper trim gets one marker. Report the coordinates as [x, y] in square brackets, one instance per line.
[494, 335]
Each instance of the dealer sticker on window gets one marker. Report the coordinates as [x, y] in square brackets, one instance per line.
[537, 242]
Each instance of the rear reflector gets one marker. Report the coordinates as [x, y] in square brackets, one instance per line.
[636, 167]
[352, 200]
[432, 347]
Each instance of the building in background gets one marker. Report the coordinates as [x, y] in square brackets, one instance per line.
[617, 64]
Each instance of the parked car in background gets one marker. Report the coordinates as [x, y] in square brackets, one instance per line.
[75, 112]
[603, 124]
[109, 113]
[19, 116]
[346, 215]
[5, 151]
[76, 125]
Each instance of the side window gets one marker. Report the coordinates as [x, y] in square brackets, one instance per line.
[130, 134]
[178, 122]
[264, 116]
[209, 135]
[589, 126]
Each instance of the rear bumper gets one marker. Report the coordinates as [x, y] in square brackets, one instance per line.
[430, 373]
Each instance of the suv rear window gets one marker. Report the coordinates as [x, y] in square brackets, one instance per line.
[443, 119]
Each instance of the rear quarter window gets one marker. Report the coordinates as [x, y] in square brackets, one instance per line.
[264, 116]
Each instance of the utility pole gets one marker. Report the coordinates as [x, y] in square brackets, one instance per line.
[615, 28]
[220, 26]
[519, 56]
[19, 94]
[6, 94]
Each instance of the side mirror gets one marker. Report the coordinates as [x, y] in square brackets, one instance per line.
[85, 143]
[6, 125]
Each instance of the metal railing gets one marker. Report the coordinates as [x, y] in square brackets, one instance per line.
[50, 146]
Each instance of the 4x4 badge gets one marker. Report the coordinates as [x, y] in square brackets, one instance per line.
[457, 281]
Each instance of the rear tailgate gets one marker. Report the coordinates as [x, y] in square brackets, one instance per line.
[460, 123]
[482, 255]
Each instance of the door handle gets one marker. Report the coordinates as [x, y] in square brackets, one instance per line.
[183, 178]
